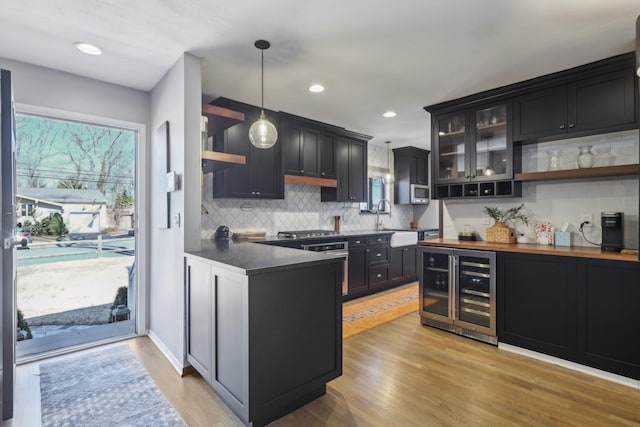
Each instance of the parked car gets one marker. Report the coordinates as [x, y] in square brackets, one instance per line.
[22, 235]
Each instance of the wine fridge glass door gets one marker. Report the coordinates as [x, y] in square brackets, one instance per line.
[436, 284]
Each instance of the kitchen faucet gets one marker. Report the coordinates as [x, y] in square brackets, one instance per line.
[381, 202]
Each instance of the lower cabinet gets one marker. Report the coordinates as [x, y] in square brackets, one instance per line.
[374, 265]
[402, 263]
[579, 309]
[265, 344]
[609, 316]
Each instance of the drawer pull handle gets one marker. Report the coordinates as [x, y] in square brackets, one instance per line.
[378, 254]
[379, 275]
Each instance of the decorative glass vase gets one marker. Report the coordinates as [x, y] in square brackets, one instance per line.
[604, 157]
[554, 159]
[585, 157]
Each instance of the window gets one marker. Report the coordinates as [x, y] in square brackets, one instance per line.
[377, 191]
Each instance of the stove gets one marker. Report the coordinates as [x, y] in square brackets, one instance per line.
[300, 234]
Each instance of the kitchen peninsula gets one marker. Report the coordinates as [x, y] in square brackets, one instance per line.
[264, 325]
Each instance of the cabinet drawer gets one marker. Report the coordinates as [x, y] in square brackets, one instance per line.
[378, 275]
[382, 238]
[358, 242]
[378, 254]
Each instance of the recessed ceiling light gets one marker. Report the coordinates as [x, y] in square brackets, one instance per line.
[88, 48]
[316, 88]
[389, 114]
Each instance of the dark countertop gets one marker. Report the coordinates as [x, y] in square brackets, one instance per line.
[335, 237]
[246, 257]
[530, 248]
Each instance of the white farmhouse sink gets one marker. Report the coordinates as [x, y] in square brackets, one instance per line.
[404, 238]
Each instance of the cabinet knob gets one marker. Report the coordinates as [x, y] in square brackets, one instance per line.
[322, 173]
[466, 176]
[253, 193]
[473, 176]
[379, 275]
[357, 242]
[572, 125]
[368, 250]
[378, 254]
[257, 193]
[405, 249]
[301, 170]
[562, 126]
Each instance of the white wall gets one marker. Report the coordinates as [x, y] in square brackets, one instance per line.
[44, 87]
[176, 99]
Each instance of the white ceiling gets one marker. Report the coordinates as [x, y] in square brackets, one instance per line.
[371, 55]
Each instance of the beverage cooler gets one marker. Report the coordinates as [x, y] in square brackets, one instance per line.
[458, 291]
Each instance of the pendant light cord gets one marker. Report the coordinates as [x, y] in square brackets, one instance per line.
[262, 82]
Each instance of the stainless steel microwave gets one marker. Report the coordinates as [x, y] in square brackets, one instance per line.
[419, 194]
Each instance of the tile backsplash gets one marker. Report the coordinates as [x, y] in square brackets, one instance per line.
[301, 209]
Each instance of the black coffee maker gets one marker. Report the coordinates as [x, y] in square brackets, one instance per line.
[612, 236]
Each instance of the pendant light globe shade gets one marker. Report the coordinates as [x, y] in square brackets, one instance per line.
[262, 133]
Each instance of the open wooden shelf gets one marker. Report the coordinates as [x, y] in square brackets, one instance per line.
[214, 160]
[619, 170]
[218, 119]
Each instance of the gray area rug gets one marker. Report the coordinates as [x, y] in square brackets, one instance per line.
[107, 387]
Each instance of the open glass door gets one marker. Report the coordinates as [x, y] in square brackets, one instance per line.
[8, 253]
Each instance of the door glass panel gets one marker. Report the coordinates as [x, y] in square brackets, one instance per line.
[76, 204]
[451, 149]
[474, 291]
[491, 141]
[435, 283]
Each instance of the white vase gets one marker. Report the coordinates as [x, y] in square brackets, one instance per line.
[585, 157]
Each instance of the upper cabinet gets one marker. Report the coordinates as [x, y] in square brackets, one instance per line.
[474, 146]
[599, 104]
[309, 148]
[261, 176]
[477, 140]
[410, 166]
[351, 169]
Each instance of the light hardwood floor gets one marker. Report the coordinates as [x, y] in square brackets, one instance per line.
[404, 374]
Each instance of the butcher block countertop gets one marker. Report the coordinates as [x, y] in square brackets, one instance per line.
[531, 248]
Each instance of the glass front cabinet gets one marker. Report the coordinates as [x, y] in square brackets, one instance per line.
[457, 291]
[473, 152]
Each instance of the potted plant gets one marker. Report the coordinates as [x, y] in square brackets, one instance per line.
[500, 232]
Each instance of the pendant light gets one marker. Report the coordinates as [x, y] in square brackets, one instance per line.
[388, 178]
[263, 133]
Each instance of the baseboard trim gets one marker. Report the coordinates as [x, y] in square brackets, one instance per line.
[619, 379]
[167, 353]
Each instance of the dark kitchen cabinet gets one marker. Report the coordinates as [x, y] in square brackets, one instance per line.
[410, 166]
[473, 153]
[308, 150]
[402, 263]
[368, 264]
[358, 265]
[351, 170]
[261, 177]
[579, 309]
[536, 303]
[608, 316]
[378, 260]
[599, 104]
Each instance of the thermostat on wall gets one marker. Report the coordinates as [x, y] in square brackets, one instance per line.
[173, 181]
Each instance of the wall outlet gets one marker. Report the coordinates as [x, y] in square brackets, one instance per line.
[586, 217]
